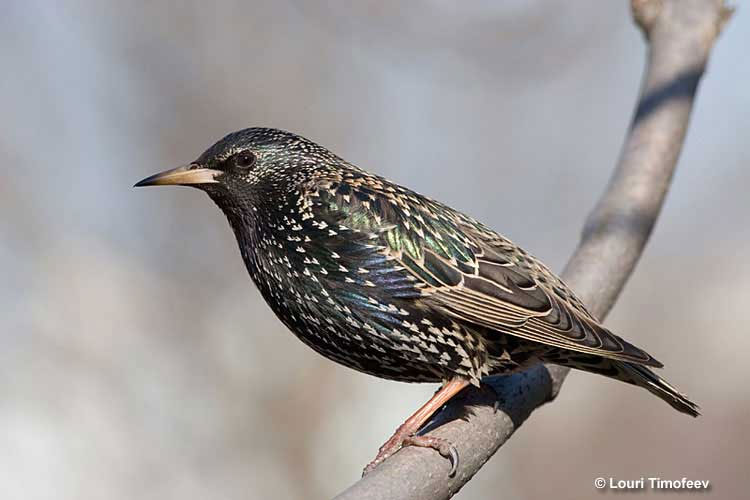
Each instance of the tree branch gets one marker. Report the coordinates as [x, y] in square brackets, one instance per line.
[680, 34]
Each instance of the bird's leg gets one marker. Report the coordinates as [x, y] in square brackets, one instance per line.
[405, 435]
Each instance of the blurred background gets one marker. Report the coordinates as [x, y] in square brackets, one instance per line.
[137, 360]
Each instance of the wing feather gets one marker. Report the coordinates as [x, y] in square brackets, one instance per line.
[506, 299]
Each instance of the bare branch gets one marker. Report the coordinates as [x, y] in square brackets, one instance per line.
[680, 34]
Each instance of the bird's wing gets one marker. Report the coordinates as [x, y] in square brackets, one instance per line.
[507, 296]
[474, 274]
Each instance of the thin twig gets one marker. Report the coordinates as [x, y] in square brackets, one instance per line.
[680, 34]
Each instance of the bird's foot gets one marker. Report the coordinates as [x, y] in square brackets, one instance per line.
[390, 447]
[403, 438]
[441, 445]
[406, 434]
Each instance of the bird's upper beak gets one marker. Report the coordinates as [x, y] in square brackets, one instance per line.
[185, 175]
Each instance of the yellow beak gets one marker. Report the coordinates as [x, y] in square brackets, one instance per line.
[185, 175]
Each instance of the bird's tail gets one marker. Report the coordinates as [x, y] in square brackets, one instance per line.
[643, 377]
[632, 373]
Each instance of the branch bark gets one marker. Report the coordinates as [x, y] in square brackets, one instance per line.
[680, 34]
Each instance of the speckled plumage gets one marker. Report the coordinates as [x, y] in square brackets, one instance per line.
[386, 281]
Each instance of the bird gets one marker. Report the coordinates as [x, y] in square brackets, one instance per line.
[392, 283]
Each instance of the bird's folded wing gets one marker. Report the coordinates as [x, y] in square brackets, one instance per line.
[501, 296]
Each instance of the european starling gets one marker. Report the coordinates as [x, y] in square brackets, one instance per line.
[389, 282]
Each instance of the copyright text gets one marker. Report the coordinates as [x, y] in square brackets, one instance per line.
[651, 483]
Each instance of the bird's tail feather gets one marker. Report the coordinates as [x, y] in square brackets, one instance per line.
[632, 373]
[643, 377]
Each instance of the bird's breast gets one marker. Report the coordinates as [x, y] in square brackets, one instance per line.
[337, 291]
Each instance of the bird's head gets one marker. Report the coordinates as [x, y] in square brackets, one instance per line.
[248, 167]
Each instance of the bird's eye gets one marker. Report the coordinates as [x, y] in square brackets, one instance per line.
[246, 159]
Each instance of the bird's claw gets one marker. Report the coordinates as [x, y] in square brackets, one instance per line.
[442, 446]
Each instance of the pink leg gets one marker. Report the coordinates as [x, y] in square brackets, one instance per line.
[405, 434]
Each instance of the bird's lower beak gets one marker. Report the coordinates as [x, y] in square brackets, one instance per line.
[185, 175]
